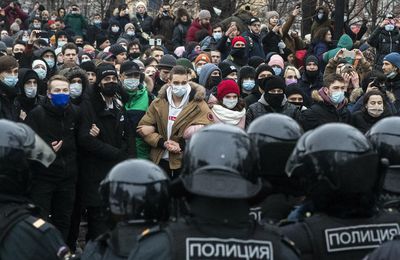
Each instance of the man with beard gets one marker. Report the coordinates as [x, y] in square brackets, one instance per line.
[202, 22]
[252, 36]
[238, 56]
[311, 78]
[167, 62]
[391, 69]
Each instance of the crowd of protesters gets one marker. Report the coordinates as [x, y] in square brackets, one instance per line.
[100, 91]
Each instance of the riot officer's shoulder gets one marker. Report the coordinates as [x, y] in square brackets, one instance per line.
[149, 232]
[38, 224]
[290, 244]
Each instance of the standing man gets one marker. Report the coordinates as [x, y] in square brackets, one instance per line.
[202, 22]
[391, 69]
[56, 121]
[178, 111]
[105, 138]
[253, 38]
[8, 91]
[163, 23]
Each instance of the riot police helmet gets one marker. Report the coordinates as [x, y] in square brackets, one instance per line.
[136, 191]
[220, 161]
[18, 144]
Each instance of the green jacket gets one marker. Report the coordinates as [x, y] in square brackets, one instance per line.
[344, 42]
[77, 23]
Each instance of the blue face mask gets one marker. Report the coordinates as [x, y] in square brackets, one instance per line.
[60, 100]
[131, 84]
[277, 70]
[40, 72]
[248, 84]
[337, 97]
[50, 62]
[10, 81]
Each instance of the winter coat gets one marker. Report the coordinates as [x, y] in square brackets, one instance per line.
[56, 124]
[344, 42]
[255, 44]
[270, 39]
[363, 121]
[194, 28]
[309, 85]
[164, 25]
[77, 23]
[8, 108]
[393, 85]
[261, 107]
[224, 46]
[114, 144]
[196, 112]
[322, 112]
[362, 68]
[145, 22]
[385, 42]
[22, 101]
[179, 34]
[14, 13]
[318, 49]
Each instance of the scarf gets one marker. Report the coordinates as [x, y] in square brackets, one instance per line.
[228, 116]
[138, 100]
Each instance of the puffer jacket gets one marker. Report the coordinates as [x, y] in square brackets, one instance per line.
[261, 107]
[385, 42]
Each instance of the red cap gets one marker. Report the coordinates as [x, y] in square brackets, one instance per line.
[238, 39]
[226, 87]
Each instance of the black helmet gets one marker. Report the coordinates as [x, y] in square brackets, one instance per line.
[18, 144]
[136, 191]
[220, 161]
[385, 138]
[275, 136]
[335, 158]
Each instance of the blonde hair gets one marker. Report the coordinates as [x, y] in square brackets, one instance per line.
[292, 68]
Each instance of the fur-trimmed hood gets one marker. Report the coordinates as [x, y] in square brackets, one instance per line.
[198, 92]
[316, 96]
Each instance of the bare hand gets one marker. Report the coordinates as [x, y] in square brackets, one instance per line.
[145, 130]
[276, 28]
[339, 54]
[359, 54]
[296, 11]
[56, 145]
[94, 131]
[230, 30]
[385, 22]
[355, 79]
[347, 78]
[172, 147]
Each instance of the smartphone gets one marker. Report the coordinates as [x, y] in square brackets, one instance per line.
[350, 54]
[43, 34]
[158, 42]
[280, 22]
[151, 42]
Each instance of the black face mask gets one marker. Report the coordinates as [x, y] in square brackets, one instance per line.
[274, 100]
[79, 45]
[238, 52]
[18, 55]
[214, 81]
[134, 55]
[312, 74]
[109, 89]
[299, 105]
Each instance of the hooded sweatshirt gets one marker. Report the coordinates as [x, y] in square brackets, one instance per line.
[345, 41]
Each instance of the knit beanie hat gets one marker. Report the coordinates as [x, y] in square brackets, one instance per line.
[255, 61]
[140, 4]
[128, 25]
[226, 69]
[238, 39]
[271, 14]
[204, 57]
[88, 66]
[294, 89]
[104, 70]
[116, 49]
[276, 60]
[122, 40]
[204, 14]
[100, 39]
[311, 58]
[393, 58]
[227, 86]
[262, 68]
[41, 62]
[206, 71]
[273, 82]
[7, 62]
[167, 61]
[185, 63]
[246, 72]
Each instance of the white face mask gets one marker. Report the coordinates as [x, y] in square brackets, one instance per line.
[179, 90]
[130, 33]
[115, 29]
[230, 103]
[389, 27]
[217, 35]
[75, 90]
[375, 111]
[30, 91]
